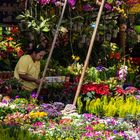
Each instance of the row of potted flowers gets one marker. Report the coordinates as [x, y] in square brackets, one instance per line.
[59, 122]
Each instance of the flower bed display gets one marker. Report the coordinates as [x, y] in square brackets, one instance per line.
[58, 122]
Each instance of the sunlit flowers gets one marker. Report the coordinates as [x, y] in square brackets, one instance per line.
[38, 114]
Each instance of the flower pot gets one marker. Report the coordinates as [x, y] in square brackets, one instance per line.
[137, 28]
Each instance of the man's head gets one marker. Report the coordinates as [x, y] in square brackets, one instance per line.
[38, 53]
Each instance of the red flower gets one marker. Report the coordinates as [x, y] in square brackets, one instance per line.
[117, 56]
[14, 30]
[10, 49]
[20, 53]
[77, 79]
[119, 90]
[97, 88]
[102, 89]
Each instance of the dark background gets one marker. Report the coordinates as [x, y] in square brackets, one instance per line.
[9, 10]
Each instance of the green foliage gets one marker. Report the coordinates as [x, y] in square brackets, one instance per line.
[38, 25]
[111, 107]
[15, 133]
[20, 101]
[79, 105]
[92, 75]
[4, 111]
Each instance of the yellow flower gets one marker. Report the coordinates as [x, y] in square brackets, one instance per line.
[73, 57]
[38, 114]
[42, 114]
[17, 49]
[77, 58]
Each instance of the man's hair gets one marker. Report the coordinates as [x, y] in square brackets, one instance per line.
[38, 48]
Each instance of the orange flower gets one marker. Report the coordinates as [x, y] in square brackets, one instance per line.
[65, 121]
[9, 38]
[111, 55]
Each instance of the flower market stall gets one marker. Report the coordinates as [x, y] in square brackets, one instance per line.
[90, 94]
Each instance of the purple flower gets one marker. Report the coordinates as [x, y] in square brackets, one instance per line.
[38, 124]
[71, 3]
[115, 131]
[1, 82]
[89, 128]
[44, 2]
[88, 117]
[87, 7]
[100, 68]
[118, 2]
[33, 94]
[47, 106]
[89, 134]
[58, 105]
[108, 6]
[17, 96]
[4, 101]
[53, 1]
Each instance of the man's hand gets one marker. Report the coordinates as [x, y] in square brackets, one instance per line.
[38, 81]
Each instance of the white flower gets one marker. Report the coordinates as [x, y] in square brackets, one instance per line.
[122, 73]
[12, 106]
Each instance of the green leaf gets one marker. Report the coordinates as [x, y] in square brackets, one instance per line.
[46, 29]
[41, 18]
[42, 24]
[29, 24]
[89, 94]
[86, 98]
[109, 1]
[19, 17]
[34, 23]
[63, 29]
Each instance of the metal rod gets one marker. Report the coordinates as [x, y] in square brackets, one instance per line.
[89, 52]
[52, 48]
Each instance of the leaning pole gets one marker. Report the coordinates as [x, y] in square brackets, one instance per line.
[52, 48]
[89, 52]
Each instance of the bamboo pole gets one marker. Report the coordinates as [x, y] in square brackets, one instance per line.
[52, 48]
[89, 52]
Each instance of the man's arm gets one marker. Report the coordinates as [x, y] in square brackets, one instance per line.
[28, 78]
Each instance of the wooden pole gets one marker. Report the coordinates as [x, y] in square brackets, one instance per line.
[89, 52]
[52, 48]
